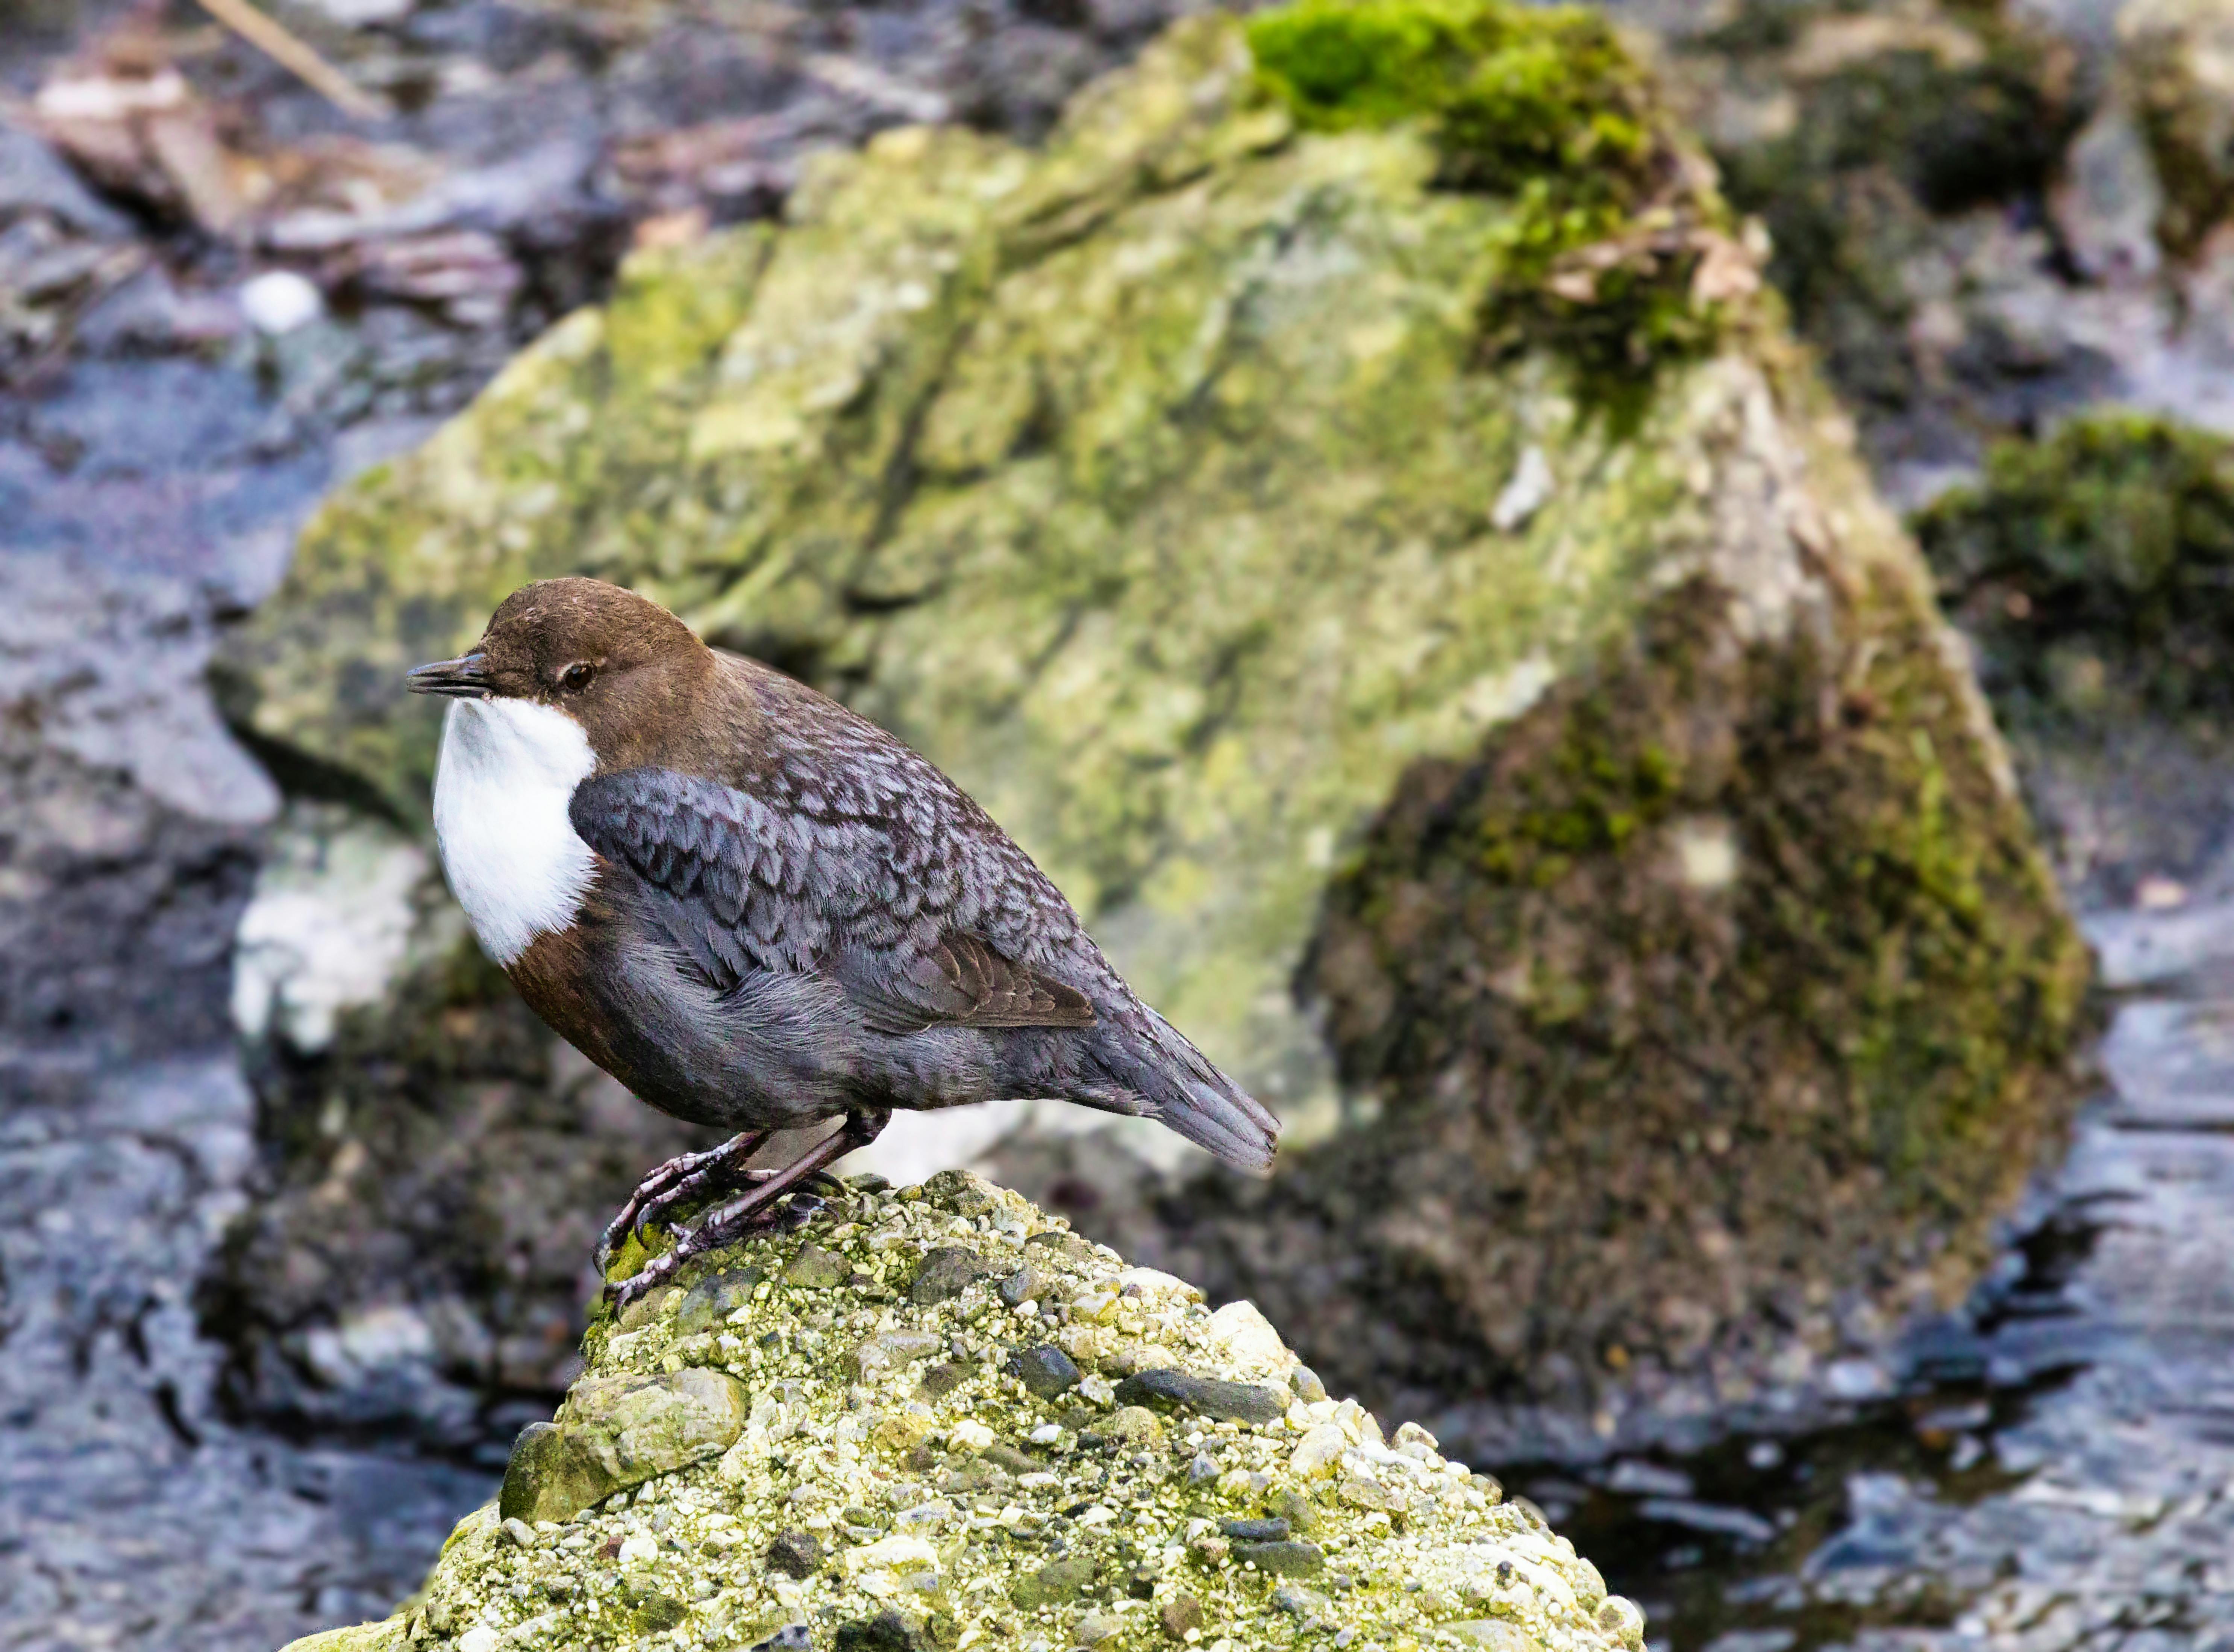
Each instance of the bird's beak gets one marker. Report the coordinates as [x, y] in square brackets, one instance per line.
[460, 679]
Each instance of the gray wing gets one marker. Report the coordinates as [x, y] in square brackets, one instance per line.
[866, 868]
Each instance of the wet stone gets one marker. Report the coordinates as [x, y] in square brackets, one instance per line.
[710, 1301]
[1045, 1370]
[1290, 1559]
[1165, 1389]
[815, 1269]
[795, 1554]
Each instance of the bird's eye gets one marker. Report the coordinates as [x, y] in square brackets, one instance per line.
[576, 677]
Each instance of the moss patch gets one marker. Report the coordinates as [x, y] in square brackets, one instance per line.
[2096, 571]
[1600, 256]
[1721, 994]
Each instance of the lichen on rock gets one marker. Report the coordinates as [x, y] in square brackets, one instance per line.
[1105, 1462]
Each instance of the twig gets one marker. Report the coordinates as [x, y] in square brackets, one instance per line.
[292, 53]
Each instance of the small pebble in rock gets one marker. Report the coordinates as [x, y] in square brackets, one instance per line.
[1179, 1614]
[946, 1274]
[1021, 1286]
[1045, 1370]
[1201, 1469]
[1255, 1531]
[279, 301]
[795, 1554]
[1290, 1559]
[815, 1269]
[1305, 1381]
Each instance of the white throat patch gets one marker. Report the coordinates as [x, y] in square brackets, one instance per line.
[508, 770]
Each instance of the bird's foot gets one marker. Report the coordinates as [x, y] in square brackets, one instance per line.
[671, 1183]
[760, 1206]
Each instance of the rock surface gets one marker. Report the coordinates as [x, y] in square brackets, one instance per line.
[1259, 461]
[839, 1466]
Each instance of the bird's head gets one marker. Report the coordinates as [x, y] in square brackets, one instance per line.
[612, 661]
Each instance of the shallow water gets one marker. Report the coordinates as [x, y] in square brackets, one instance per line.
[2056, 1467]
[131, 1514]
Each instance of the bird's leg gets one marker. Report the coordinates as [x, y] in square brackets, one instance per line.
[671, 1183]
[728, 1222]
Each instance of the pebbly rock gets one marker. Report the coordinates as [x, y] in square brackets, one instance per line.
[851, 1509]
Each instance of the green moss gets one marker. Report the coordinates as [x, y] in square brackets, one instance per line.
[2096, 570]
[1591, 797]
[1741, 963]
[1544, 106]
[1509, 93]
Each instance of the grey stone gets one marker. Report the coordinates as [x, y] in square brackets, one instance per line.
[815, 1269]
[1305, 1381]
[1021, 1286]
[946, 1274]
[1045, 1370]
[1291, 1558]
[888, 1350]
[944, 1379]
[710, 1301]
[1166, 1390]
[889, 1630]
[795, 1554]
[1255, 1531]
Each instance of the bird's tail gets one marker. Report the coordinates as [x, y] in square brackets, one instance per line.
[1151, 1069]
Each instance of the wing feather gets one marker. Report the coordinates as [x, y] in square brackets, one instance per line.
[924, 913]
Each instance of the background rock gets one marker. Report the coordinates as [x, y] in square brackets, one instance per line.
[1209, 486]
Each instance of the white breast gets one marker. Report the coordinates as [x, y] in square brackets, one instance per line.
[507, 769]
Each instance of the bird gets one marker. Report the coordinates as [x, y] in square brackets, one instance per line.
[759, 911]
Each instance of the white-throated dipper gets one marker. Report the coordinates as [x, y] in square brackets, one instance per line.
[758, 911]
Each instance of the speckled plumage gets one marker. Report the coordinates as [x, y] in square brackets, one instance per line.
[793, 916]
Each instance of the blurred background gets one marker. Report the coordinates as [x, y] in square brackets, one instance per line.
[1625, 612]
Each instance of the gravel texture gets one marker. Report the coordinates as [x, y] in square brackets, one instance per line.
[836, 1463]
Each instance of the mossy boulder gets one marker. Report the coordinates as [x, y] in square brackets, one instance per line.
[937, 1500]
[1163, 486]
[2094, 569]
[1356, 529]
